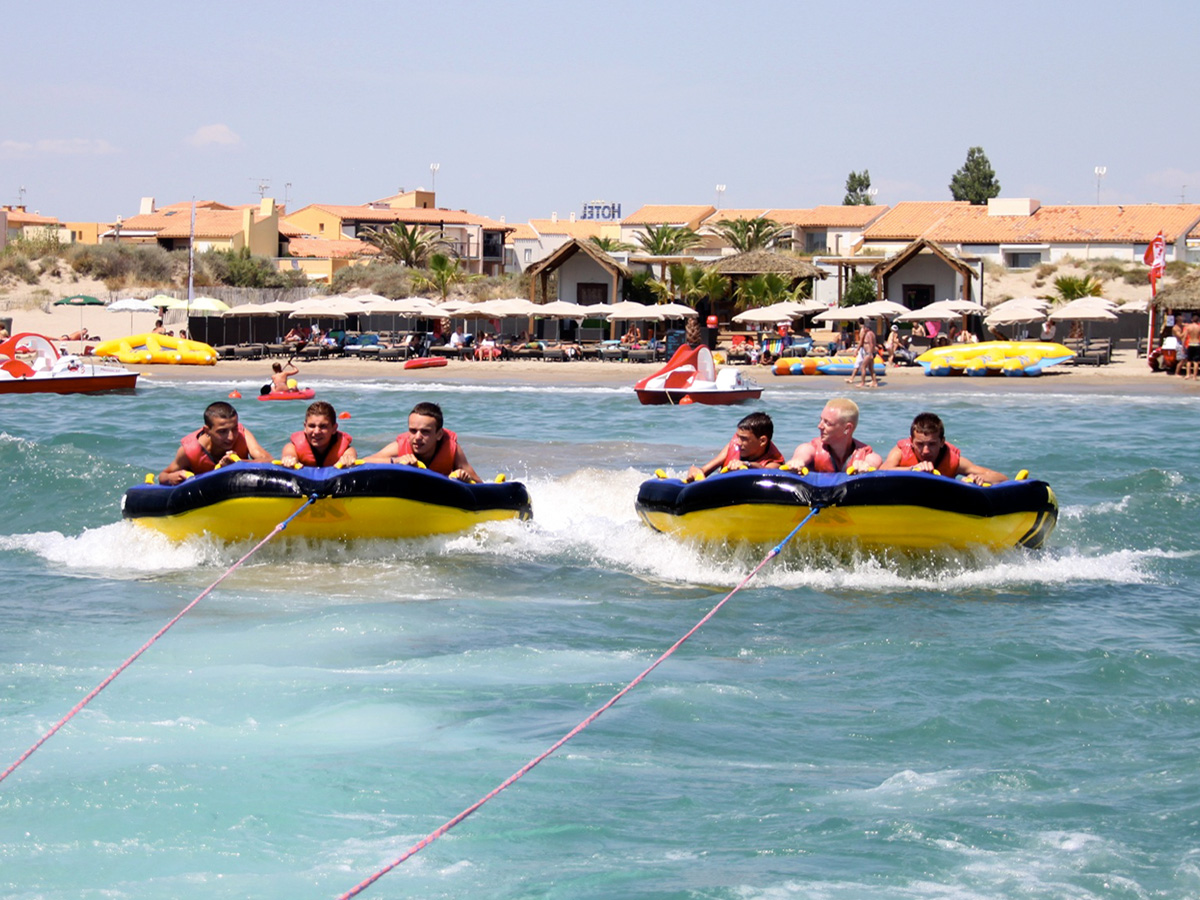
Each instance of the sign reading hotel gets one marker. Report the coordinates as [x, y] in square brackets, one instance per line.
[598, 209]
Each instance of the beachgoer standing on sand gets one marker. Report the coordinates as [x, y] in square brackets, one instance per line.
[220, 442]
[927, 450]
[428, 444]
[836, 450]
[1191, 341]
[867, 345]
[751, 448]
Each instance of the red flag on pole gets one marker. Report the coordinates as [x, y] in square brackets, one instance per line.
[1156, 258]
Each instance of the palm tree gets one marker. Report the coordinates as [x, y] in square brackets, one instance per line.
[1072, 287]
[686, 281]
[744, 235]
[408, 246]
[611, 244]
[444, 273]
[666, 240]
[714, 286]
[763, 290]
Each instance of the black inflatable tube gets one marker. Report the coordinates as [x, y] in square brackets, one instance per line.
[368, 480]
[891, 488]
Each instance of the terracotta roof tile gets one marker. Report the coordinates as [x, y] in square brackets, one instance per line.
[521, 232]
[18, 218]
[828, 216]
[669, 215]
[733, 215]
[1067, 224]
[418, 216]
[910, 220]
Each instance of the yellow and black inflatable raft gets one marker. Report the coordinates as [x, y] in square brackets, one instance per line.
[894, 509]
[247, 500]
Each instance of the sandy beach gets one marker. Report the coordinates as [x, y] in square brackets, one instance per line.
[1124, 373]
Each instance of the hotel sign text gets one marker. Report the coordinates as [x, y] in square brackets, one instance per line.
[597, 209]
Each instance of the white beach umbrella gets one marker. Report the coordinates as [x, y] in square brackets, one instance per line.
[676, 310]
[564, 309]
[132, 305]
[942, 311]
[628, 311]
[879, 308]
[763, 315]
[1134, 306]
[415, 306]
[1085, 309]
[1014, 314]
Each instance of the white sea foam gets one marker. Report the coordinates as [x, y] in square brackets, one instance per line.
[118, 551]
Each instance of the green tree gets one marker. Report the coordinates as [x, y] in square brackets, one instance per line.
[639, 288]
[443, 273]
[858, 189]
[860, 290]
[976, 180]
[611, 244]
[1073, 287]
[744, 235]
[410, 247]
[762, 290]
[714, 286]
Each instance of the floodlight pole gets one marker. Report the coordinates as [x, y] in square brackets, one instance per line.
[720, 194]
[433, 170]
[1101, 171]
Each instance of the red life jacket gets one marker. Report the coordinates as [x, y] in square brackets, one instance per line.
[443, 459]
[823, 460]
[304, 450]
[198, 457]
[947, 461]
[770, 455]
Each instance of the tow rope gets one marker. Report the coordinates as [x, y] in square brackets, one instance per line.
[146, 646]
[451, 823]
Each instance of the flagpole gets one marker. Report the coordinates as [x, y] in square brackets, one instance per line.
[191, 258]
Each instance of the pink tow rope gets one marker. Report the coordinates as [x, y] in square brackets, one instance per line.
[146, 646]
[438, 832]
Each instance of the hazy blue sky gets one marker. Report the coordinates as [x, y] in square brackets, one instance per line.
[532, 108]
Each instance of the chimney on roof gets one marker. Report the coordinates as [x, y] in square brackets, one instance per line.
[572, 217]
[553, 217]
[267, 207]
[502, 220]
[146, 207]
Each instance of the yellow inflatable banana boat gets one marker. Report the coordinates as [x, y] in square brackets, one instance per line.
[158, 348]
[1013, 358]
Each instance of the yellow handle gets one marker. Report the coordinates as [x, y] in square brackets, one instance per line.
[501, 478]
[149, 478]
[659, 473]
[1022, 475]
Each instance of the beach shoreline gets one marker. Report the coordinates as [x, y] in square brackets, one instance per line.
[1126, 373]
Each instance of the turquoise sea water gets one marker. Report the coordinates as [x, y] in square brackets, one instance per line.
[1015, 726]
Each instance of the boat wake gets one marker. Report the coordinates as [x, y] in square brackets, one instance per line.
[584, 521]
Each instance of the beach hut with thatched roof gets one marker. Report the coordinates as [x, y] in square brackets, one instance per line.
[1183, 294]
[586, 275]
[924, 272]
[760, 262]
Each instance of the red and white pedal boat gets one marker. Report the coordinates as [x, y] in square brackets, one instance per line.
[31, 364]
[691, 377]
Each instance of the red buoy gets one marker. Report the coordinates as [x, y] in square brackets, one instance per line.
[343, 415]
[235, 395]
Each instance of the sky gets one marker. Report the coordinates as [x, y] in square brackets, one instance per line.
[534, 108]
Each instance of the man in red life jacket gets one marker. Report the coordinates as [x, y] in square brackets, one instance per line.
[927, 450]
[751, 448]
[220, 442]
[320, 443]
[836, 450]
[429, 444]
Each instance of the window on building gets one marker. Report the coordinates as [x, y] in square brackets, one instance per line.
[528, 255]
[816, 241]
[1022, 260]
[320, 228]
